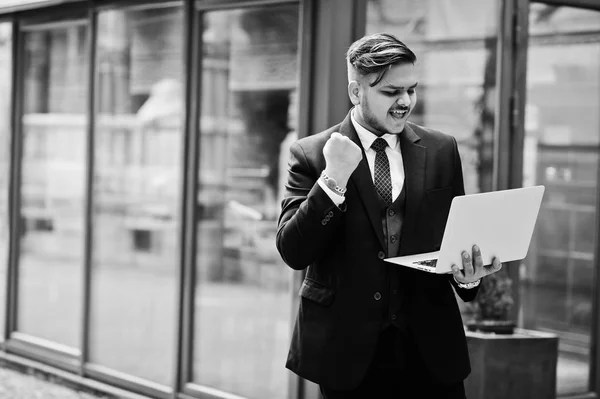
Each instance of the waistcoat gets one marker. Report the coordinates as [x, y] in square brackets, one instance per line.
[392, 218]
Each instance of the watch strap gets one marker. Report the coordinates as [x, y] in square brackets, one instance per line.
[467, 286]
[332, 184]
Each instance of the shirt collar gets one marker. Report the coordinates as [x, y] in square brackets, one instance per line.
[367, 137]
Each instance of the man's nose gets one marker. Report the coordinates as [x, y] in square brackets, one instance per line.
[403, 99]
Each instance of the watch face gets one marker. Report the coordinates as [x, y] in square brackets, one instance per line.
[331, 184]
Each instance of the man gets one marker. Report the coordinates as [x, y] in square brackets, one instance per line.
[371, 187]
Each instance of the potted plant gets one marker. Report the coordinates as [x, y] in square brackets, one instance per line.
[506, 362]
[490, 311]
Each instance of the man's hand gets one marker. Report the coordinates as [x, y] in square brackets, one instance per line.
[473, 271]
[342, 156]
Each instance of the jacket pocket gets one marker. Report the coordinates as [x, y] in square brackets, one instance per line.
[317, 292]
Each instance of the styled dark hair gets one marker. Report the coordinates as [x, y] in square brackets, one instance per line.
[376, 53]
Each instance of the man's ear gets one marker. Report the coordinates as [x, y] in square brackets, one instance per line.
[354, 92]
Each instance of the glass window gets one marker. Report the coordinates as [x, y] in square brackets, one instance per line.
[562, 134]
[5, 142]
[457, 89]
[53, 183]
[243, 300]
[137, 190]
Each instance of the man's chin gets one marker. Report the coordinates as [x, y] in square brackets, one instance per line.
[397, 128]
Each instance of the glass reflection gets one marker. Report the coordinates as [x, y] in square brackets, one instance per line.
[243, 308]
[5, 142]
[53, 183]
[561, 151]
[137, 190]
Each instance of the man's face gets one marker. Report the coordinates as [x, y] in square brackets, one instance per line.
[386, 106]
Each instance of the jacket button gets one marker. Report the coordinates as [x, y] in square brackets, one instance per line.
[381, 255]
[393, 317]
[324, 222]
[377, 296]
[330, 214]
[391, 212]
[393, 238]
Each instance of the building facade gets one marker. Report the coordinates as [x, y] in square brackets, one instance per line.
[143, 147]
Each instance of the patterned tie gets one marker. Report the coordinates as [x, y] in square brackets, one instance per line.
[382, 179]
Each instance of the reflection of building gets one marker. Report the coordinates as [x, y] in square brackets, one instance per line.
[152, 209]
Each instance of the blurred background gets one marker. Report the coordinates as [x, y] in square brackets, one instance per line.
[143, 147]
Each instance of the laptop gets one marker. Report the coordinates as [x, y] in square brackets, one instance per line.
[501, 223]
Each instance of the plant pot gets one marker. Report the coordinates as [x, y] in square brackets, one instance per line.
[492, 326]
[512, 366]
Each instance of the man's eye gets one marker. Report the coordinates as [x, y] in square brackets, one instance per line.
[411, 91]
[390, 93]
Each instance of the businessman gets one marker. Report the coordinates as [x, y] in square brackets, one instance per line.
[371, 187]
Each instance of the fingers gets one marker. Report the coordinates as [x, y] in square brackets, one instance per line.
[477, 260]
[339, 136]
[467, 265]
[456, 271]
[494, 267]
[473, 267]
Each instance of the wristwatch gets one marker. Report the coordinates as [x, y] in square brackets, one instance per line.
[467, 286]
[332, 184]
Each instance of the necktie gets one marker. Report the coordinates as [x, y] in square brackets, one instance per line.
[381, 178]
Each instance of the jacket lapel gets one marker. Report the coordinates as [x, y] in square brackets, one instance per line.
[414, 156]
[361, 178]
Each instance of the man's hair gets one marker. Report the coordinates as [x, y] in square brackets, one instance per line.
[375, 54]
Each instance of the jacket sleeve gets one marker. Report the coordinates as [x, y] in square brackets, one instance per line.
[309, 219]
[466, 295]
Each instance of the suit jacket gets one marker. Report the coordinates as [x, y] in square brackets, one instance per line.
[339, 320]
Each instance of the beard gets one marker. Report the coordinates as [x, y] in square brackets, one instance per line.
[374, 123]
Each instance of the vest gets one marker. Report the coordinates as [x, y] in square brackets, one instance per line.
[392, 218]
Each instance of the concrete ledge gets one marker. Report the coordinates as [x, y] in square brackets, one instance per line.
[64, 378]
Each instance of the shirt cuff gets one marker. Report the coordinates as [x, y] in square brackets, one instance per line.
[336, 198]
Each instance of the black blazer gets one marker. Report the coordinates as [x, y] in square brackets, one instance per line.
[339, 320]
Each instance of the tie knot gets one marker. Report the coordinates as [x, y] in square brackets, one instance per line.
[379, 144]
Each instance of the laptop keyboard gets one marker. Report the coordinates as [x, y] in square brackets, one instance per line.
[428, 262]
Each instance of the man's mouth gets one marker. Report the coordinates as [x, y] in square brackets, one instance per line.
[399, 113]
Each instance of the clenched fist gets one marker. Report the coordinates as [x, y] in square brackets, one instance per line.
[342, 156]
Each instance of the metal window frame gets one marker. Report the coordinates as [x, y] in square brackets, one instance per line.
[54, 16]
[60, 356]
[89, 194]
[587, 4]
[5, 10]
[509, 129]
[127, 382]
[9, 284]
[206, 5]
[136, 5]
[190, 185]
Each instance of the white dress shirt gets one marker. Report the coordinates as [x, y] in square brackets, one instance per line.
[392, 151]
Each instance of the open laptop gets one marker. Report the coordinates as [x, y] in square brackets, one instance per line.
[501, 223]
